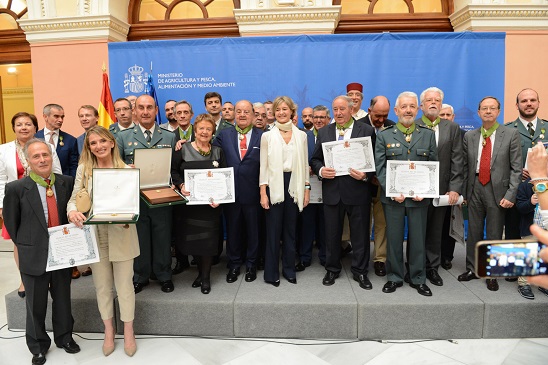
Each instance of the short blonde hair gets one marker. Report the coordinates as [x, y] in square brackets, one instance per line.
[288, 101]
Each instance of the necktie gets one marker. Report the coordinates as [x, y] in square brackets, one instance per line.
[530, 129]
[149, 138]
[51, 140]
[53, 214]
[243, 146]
[485, 163]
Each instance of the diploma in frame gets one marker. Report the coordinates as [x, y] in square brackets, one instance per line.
[412, 178]
[355, 153]
[208, 186]
[71, 246]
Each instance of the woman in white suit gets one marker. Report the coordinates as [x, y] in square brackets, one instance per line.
[14, 166]
[118, 243]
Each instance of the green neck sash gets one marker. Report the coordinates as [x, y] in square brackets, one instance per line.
[40, 180]
[486, 133]
[243, 131]
[430, 124]
[404, 129]
[345, 125]
[186, 135]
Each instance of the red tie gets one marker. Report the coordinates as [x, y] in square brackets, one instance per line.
[53, 214]
[485, 163]
[243, 146]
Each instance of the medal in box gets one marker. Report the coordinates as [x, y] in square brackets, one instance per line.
[155, 180]
[115, 197]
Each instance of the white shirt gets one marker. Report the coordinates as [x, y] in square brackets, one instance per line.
[360, 114]
[123, 128]
[480, 148]
[287, 153]
[55, 136]
[143, 129]
[347, 132]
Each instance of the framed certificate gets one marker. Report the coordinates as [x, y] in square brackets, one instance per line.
[71, 246]
[115, 196]
[155, 177]
[355, 153]
[412, 178]
[315, 190]
[208, 186]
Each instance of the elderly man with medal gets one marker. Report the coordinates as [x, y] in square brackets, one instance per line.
[405, 141]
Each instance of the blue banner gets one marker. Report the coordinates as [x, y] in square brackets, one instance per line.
[313, 70]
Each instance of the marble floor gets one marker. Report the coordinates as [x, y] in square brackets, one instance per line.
[195, 350]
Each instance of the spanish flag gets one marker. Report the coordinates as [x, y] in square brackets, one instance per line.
[106, 106]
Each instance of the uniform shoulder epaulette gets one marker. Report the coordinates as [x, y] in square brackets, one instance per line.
[423, 126]
[388, 127]
[510, 123]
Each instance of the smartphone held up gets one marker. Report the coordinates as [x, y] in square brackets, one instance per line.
[509, 258]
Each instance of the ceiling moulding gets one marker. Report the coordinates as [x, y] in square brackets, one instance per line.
[498, 17]
[94, 27]
[306, 20]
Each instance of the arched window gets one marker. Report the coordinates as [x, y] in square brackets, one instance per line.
[168, 19]
[13, 43]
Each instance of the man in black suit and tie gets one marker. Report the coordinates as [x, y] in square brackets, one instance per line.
[492, 173]
[31, 205]
[241, 146]
[450, 156]
[213, 103]
[349, 194]
[377, 117]
[65, 144]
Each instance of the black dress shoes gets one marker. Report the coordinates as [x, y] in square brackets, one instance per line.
[232, 275]
[167, 286]
[467, 276]
[422, 289]
[251, 274]
[206, 286]
[380, 268]
[301, 266]
[492, 284]
[364, 281]
[21, 294]
[329, 278]
[70, 347]
[391, 286]
[138, 287]
[273, 283]
[434, 277]
[180, 266]
[446, 264]
[39, 359]
[197, 282]
[291, 280]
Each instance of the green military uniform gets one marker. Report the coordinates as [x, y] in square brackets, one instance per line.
[392, 145]
[154, 225]
[513, 217]
[223, 124]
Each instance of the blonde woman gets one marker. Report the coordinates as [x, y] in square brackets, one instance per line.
[118, 244]
[284, 187]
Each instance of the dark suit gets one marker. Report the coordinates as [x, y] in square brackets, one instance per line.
[242, 215]
[67, 151]
[344, 194]
[311, 221]
[512, 220]
[154, 224]
[178, 135]
[379, 221]
[27, 225]
[114, 128]
[223, 124]
[483, 200]
[450, 156]
[391, 145]
[525, 208]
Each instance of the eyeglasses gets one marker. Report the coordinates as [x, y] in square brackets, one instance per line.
[125, 109]
[491, 108]
[260, 115]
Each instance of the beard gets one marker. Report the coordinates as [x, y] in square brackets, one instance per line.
[406, 121]
[307, 125]
[525, 114]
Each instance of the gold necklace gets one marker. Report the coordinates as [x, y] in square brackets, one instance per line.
[202, 152]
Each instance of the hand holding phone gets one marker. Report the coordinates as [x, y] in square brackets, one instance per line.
[509, 258]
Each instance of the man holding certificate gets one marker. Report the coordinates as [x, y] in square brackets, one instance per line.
[345, 194]
[414, 144]
[32, 205]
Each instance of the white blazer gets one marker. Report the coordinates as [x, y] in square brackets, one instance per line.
[8, 166]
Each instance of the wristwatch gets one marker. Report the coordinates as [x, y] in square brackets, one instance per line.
[539, 188]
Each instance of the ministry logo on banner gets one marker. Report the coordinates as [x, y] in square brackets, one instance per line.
[136, 80]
